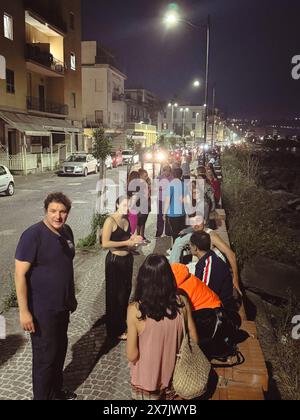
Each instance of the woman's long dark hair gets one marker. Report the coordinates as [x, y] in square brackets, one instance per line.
[156, 291]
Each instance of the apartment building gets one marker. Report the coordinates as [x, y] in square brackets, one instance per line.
[40, 96]
[103, 97]
[142, 106]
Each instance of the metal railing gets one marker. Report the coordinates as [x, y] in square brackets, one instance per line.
[37, 104]
[34, 53]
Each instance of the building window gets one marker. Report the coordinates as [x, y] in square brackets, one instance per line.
[8, 27]
[10, 81]
[99, 117]
[73, 61]
[72, 21]
[73, 99]
[193, 126]
[194, 114]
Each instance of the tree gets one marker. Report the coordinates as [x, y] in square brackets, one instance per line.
[101, 149]
[162, 141]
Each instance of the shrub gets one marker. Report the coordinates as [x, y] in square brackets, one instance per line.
[90, 241]
[254, 226]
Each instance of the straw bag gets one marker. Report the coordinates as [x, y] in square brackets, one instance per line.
[192, 369]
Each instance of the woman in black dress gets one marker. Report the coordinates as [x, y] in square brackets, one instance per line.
[117, 238]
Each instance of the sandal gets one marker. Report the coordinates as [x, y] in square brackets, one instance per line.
[123, 337]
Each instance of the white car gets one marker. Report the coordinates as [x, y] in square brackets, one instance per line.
[79, 164]
[130, 157]
[109, 162]
[7, 183]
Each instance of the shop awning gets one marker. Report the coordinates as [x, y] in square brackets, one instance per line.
[37, 126]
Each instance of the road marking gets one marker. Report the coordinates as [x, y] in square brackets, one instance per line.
[28, 191]
[7, 232]
[79, 202]
[74, 185]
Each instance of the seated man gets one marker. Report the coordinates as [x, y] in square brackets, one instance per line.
[218, 246]
[216, 327]
[213, 271]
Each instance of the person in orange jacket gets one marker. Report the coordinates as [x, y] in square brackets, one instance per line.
[211, 319]
[201, 296]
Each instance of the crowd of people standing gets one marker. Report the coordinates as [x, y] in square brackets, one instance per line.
[170, 292]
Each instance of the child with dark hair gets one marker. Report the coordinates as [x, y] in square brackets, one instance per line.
[155, 330]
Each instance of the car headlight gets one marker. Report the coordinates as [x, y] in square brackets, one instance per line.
[161, 157]
[149, 156]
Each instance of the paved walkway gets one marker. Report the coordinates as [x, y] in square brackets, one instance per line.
[93, 370]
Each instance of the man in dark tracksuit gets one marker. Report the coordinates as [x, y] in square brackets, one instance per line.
[46, 295]
[211, 269]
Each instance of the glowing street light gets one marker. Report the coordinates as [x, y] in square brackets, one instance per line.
[197, 83]
[171, 18]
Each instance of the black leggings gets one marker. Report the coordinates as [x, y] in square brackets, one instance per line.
[118, 277]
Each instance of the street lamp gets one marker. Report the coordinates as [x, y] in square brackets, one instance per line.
[172, 18]
[184, 111]
[171, 105]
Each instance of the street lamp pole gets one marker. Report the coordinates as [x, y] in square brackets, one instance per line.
[207, 83]
[183, 120]
[171, 105]
[172, 18]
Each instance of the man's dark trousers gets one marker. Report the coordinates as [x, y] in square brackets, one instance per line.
[161, 224]
[49, 348]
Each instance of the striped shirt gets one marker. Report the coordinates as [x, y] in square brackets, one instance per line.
[215, 273]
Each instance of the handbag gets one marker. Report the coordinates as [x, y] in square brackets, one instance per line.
[192, 369]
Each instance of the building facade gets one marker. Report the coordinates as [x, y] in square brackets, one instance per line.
[184, 121]
[40, 98]
[142, 106]
[103, 93]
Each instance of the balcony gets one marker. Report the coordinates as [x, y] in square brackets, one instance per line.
[43, 62]
[51, 15]
[39, 105]
[118, 97]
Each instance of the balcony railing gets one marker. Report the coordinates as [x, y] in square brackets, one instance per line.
[118, 97]
[37, 104]
[34, 53]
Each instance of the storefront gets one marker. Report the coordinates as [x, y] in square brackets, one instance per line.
[35, 144]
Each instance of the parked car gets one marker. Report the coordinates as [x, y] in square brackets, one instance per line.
[79, 164]
[117, 159]
[7, 183]
[109, 162]
[129, 156]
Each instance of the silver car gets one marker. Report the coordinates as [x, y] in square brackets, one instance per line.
[79, 164]
[7, 182]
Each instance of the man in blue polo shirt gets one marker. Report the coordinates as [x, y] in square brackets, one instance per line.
[174, 209]
[211, 269]
[46, 294]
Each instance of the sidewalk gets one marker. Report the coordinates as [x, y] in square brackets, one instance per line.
[92, 370]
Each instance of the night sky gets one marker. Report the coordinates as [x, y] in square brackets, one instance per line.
[253, 42]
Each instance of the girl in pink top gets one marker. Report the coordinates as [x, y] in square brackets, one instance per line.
[155, 330]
